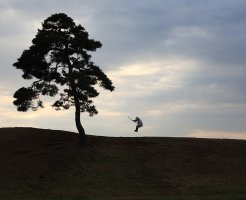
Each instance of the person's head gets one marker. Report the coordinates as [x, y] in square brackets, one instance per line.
[137, 118]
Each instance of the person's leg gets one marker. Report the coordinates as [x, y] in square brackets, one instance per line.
[137, 128]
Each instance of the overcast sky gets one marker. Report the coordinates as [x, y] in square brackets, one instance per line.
[180, 65]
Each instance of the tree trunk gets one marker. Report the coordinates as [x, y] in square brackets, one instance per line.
[82, 139]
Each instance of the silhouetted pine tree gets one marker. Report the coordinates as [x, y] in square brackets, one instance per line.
[57, 57]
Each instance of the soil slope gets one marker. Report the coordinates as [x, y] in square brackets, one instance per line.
[49, 164]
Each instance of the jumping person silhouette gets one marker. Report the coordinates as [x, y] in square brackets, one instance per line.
[139, 123]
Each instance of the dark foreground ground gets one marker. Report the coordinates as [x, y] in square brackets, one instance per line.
[40, 164]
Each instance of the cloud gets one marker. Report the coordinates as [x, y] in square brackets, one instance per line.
[152, 76]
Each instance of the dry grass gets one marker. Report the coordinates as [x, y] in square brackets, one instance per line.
[46, 164]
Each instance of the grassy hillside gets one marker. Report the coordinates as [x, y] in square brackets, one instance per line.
[49, 165]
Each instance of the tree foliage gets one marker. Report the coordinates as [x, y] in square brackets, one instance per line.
[58, 58]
